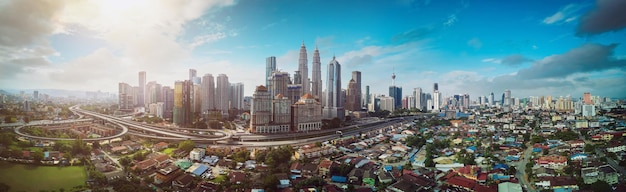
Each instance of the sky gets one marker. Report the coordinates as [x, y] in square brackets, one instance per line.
[533, 48]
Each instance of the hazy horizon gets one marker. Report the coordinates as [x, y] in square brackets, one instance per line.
[533, 48]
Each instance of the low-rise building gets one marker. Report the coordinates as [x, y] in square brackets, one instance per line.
[197, 154]
[601, 173]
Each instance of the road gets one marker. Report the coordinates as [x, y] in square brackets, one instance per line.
[520, 166]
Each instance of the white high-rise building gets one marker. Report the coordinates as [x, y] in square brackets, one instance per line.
[417, 94]
[141, 95]
[304, 70]
[316, 85]
[222, 93]
[436, 101]
[387, 103]
[208, 93]
[333, 106]
[236, 96]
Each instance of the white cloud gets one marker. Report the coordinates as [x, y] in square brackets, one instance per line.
[564, 15]
[451, 20]
[139, 35]
[492, 60]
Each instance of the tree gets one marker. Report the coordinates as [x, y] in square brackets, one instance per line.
[125, 161]
[270, 181]
[512, 170]
[408, 165]
[601, 186]
[38, 156]
[186, 145]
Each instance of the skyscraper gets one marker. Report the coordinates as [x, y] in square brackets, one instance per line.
[417, 94]
[192, 73]
[304, 70]
[221, 93]
[333, 107]
[492, 101]
[507, 98]
[182, 103]
[395, 92]
[367, 95]
[261, 111]
[142, 90]
[435, 87]
[352, 101]
[278, 83]
[316, 85]
[208, 93]
[356, 75]
[270, 67]
[168, 102]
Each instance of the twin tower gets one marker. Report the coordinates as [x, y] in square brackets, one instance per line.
[331, 99]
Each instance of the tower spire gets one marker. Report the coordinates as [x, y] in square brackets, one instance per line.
[393, 76]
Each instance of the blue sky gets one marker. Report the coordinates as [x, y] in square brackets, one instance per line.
[534, 48]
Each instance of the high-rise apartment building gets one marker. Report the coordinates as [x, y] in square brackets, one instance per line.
[208, 93]
[333, 107]
[125, 97]
[316, 84]
[304, 70]
[417, 95]
[182, 103]
[270, 67]
[387, 103]
[222, 94]
[492, 100]
[236, 96]
[142, 90]
[436, 100]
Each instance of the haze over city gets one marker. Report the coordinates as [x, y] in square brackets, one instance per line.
[532, 48]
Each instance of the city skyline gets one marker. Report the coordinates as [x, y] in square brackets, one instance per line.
[557, 48]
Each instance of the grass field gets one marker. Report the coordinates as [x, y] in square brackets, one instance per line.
[35, 178]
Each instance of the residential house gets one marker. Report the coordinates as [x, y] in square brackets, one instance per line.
[167, 174]
[237, 177]
[145, 165]
[313, 152]
[159, 146]
[324, 167]
[557, 183]
[615, 147]
[182, 182]
[544, 172]
[552, 161]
